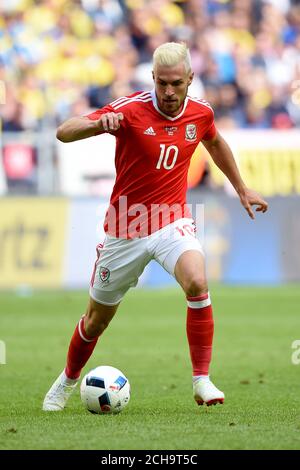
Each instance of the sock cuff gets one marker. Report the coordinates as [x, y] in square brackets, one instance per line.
[202, 377]
[82, 332]
[200, 301]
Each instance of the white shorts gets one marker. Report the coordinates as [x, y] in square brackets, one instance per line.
[120, 262]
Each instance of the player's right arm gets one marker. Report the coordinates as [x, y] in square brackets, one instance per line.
[78, 128]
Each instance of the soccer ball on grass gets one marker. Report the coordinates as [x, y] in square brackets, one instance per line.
[105, 390]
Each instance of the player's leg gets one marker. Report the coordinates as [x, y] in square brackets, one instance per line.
[82, 345]
[182, 256]
[190, 274]
[86, 335]
[119, 264]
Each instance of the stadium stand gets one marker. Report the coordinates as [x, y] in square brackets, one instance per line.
[60, 57]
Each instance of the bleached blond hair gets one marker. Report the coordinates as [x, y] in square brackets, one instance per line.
[172, 53]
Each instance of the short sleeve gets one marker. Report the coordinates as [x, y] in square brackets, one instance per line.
[98, 113]
[211, 130]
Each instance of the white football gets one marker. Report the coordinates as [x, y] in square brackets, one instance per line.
[105, 389]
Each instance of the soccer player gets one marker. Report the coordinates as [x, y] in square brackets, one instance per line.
[156, 135]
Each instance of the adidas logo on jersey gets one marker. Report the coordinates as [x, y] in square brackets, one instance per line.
[150, 131]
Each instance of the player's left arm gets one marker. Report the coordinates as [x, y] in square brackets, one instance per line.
[224, 159]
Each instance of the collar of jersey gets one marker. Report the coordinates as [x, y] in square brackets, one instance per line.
[154, 101]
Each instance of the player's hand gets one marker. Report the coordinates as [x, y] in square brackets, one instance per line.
[110, 121]
[250, 198]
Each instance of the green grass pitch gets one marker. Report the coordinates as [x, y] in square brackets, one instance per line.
[254, 332]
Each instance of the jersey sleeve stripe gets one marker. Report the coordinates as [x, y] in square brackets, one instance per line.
[203, 102]
[126, 98]
[133, 100]
[119, 100]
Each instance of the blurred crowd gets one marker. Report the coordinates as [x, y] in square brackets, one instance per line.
[59, 58]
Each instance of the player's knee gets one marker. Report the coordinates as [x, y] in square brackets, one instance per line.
[195, 286]
[95, 326]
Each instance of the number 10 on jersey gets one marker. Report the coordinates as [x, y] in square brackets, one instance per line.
[168, 157]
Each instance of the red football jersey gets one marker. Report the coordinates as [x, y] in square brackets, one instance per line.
[153, 153]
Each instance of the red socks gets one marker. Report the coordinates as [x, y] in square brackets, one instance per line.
[199, 327]
[200, 331]
[80, 350]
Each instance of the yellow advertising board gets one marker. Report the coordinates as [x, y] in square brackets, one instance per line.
[32, 241]
[269, 161]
